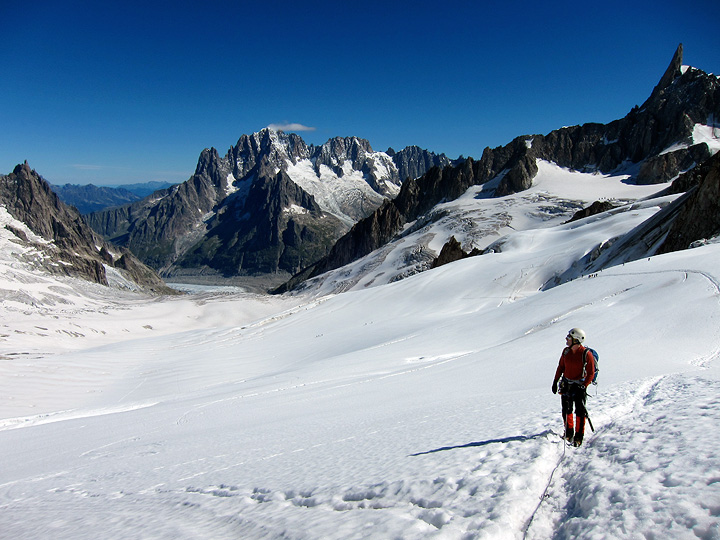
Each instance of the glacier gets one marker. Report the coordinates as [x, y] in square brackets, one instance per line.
[418, 408]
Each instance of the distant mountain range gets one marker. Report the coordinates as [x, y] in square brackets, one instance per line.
[143, 189]
[275, 206]
[90, 198]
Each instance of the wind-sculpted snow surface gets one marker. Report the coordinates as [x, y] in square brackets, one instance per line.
[416, 409]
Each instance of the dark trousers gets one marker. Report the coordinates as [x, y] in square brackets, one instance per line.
[573, 398]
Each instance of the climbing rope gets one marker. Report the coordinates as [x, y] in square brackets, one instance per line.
[545, 491]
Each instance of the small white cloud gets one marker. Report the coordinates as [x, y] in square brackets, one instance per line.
[290, 127]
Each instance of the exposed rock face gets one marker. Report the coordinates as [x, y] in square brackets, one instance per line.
[159, 227]
[595, 208]
[74, 248]
[287, 230]
[272, 204]
[673, 71]
[452, 251]
[648, 133]
[699, 217]
[337, 151]
[413, 162]
[659, 134]
[664, 167]
[690, 179]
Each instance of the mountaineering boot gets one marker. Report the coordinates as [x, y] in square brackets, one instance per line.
[577, 441]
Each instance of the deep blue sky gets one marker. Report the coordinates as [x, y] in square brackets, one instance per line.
[117, 92]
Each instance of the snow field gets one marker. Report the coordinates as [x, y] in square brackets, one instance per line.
[336, 419]
[648, 473]
[415, 409]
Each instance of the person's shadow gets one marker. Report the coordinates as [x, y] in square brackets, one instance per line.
[485, 443]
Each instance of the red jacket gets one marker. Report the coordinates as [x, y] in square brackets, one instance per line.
[571, 364]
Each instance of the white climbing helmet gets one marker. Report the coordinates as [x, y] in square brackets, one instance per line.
[578, 334]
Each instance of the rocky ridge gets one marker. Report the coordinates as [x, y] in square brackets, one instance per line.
[698, 217]
[655, 143]
[72, 247]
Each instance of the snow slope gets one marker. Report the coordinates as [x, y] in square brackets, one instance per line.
[476, 221]
[416, 409]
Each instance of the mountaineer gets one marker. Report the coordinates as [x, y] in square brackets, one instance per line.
[577, 369]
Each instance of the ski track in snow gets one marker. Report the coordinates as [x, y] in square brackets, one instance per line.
[578, 495]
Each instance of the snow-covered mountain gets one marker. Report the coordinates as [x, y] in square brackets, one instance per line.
[271, 204]
[675, 130]
[41, 234]
[415, 409]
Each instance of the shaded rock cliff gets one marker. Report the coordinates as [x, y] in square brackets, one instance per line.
[272, 204]
[699, 217]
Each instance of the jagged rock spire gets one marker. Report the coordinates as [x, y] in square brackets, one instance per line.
[673, 71]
